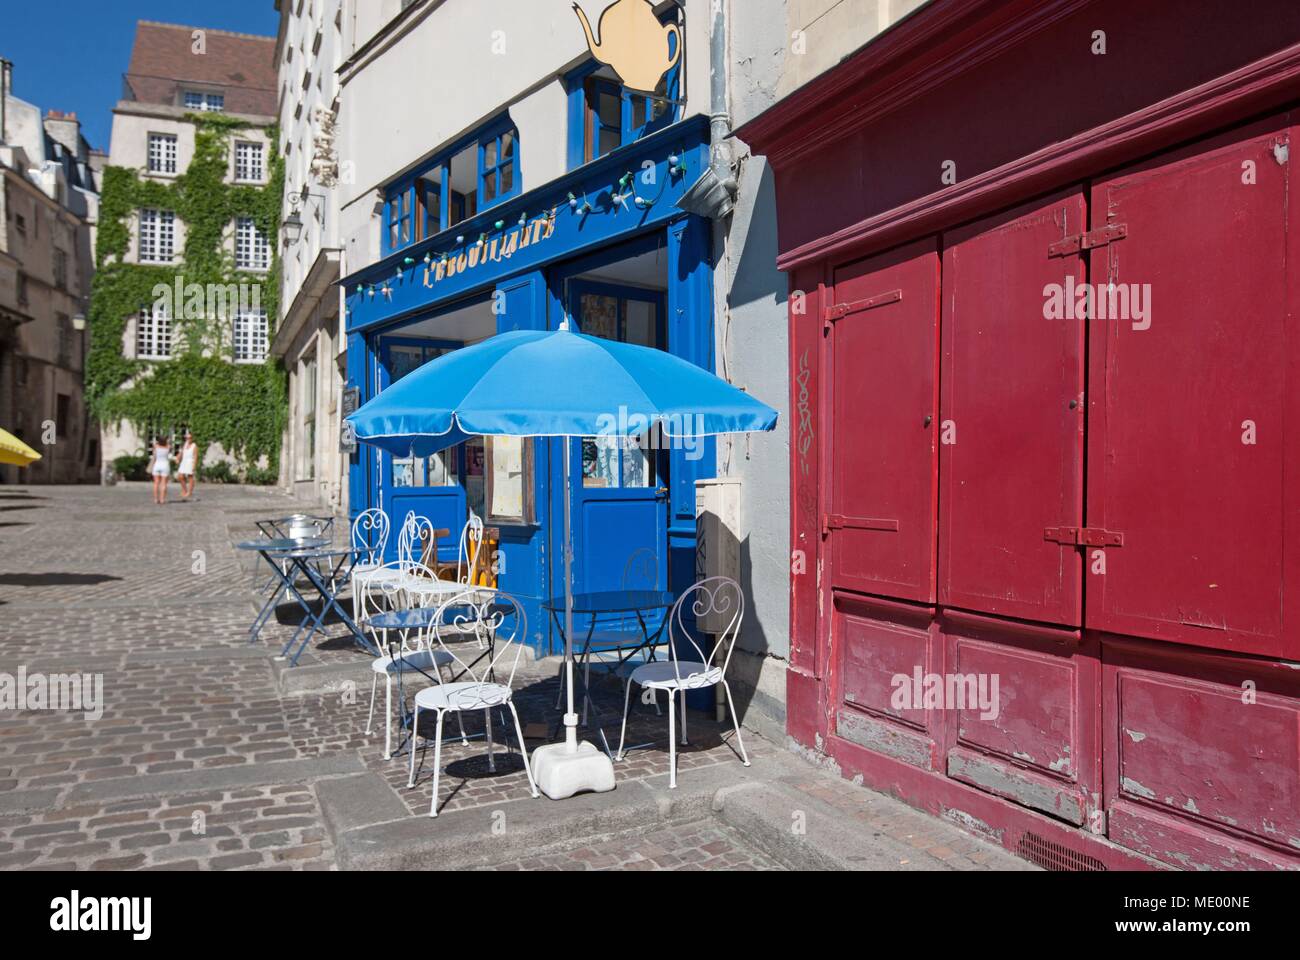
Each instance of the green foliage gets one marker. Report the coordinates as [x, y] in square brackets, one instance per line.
[131, 467]
[242, 407]
[260, 478]
[219, 472]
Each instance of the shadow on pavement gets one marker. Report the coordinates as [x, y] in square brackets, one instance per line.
[53, 579]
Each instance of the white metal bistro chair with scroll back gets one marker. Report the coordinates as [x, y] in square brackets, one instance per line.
[495, 617]
[429, 589]
[369, 540]
[365, 585]
[414, 652]
[687, 667]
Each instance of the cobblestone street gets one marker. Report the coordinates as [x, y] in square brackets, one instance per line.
[203, 759]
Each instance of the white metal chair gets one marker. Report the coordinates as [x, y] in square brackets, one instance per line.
[415, 654]
[369, 540]
[503, 617]
[428, 589]
[409, 539]
[687, 667]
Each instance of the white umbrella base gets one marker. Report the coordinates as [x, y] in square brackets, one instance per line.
[561, 773]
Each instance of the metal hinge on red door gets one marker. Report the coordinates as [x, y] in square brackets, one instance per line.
[837, 311]
[1087, 241]
[1084, 536]
[835, 521]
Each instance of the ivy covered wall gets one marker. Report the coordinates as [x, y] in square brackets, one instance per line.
[243, 407]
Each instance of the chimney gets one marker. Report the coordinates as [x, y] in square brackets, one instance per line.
[65, 128]
[6, 88]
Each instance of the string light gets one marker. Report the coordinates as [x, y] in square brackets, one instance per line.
[618, 198]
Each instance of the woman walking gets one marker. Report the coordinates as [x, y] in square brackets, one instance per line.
[189, 466]
[161, 469]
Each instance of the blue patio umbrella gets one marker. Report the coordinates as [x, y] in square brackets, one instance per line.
[532, 383]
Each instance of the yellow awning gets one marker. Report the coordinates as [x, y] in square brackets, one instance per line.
[13, 450]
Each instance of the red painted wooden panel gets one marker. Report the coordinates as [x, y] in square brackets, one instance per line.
[1203, 514]
[1216, 749]
[1009, 378]
[882, 648]
[873, 653]
[882, 451]
[1039, 747]
[1187, 845]
[806, 383]
[870, 166]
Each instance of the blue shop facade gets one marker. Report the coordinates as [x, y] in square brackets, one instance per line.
[604, 247]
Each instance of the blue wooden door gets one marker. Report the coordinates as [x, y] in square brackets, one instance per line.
[620, 486]
[434, 487]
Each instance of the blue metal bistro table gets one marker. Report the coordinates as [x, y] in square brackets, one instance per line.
[326, 568]
[612, 603]
[273, 551]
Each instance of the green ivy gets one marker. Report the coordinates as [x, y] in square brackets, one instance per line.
[241, 406]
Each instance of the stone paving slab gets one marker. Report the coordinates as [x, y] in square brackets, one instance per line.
[214, 778]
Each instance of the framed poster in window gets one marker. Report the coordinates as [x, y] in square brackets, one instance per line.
[509, 470]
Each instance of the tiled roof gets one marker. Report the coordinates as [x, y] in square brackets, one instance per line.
[163, 60]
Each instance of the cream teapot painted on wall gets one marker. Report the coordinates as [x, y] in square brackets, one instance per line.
[634, 43]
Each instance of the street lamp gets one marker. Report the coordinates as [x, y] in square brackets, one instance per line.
[293, 227]
[293, 224]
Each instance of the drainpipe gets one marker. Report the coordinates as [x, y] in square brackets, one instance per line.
[714, 194]
[721, 151]
[722, 163]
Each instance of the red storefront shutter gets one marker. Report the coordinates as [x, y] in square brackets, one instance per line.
[883, 327]
[1011, 450]
[1193, 411]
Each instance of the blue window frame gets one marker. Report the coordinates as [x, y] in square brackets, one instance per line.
[475, 174]
[604, 115]
[496, 166]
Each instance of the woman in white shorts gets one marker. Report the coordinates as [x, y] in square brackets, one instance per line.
[189, 465]
[161, 469]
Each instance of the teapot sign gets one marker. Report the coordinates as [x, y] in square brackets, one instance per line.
[634, 43]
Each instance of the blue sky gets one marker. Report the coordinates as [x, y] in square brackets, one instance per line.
[70, 54]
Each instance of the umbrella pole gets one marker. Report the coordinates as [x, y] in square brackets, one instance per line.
[563, 769]
[571, 717]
